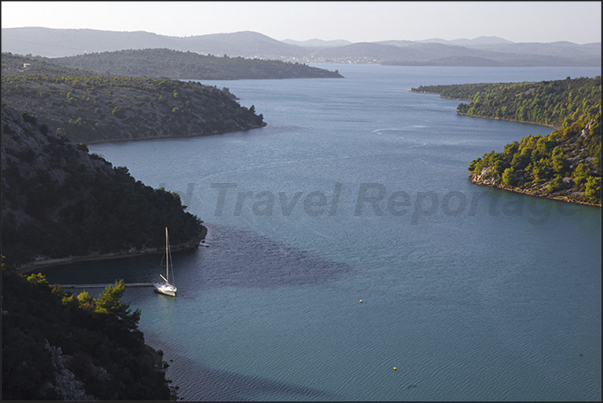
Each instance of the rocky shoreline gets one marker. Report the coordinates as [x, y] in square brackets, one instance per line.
[491, 182]
[486, 117]
[507, 119]
[45, 264]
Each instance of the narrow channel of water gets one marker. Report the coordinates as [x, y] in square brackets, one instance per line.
[358, 190]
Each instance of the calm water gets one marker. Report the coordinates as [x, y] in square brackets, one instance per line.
[358, 190]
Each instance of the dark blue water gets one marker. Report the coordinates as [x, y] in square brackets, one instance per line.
[358, 190]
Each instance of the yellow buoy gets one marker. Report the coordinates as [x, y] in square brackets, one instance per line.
[394, 368]
[361, 301]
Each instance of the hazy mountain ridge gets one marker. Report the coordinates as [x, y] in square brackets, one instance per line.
[487, 50]
[317, 43]
[479, 41]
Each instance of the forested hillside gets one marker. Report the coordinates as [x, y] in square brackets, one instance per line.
[88, 107]
[58, 200]
[564, 165]
[188, 65]
[556, 103]
[59, 346]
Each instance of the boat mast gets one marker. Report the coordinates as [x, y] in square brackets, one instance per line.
[167, 257]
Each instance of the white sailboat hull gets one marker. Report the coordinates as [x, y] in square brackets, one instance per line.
[167, 289]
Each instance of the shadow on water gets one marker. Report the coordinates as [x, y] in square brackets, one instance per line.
[242, 259]
[235, 258]
[199, 383]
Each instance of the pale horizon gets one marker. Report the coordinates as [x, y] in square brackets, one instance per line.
[544, 22]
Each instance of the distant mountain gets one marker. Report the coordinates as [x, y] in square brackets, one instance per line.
[505, 55]
[491, 51]
[51, 42]
[413, 53]
[552, 49]
[70, 42]
[318, 43]
[400, 43]
[245, 44]
[479, 41]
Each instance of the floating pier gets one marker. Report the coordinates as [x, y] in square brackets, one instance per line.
[104, 285]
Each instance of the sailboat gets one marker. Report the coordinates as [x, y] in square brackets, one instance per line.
[167, 287]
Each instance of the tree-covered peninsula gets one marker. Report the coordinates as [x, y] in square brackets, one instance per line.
[61, 346]
[59, 201]
[555, 104]
[564, 165]
[188, 65]
[89, 107]
[59, 204]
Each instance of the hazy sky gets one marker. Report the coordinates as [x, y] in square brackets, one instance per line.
[574, 21]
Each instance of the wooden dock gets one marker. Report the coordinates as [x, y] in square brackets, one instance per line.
[104, 285]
